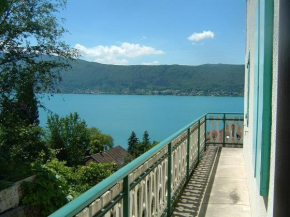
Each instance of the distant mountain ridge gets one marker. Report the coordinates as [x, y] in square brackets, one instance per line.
[204, 80]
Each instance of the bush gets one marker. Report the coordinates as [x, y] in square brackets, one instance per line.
[47, 193]
[90, 175]
[56, 183]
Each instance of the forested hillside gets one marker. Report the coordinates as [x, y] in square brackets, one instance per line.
[209, 79]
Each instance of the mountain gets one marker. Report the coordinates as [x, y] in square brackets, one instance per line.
[208, 79]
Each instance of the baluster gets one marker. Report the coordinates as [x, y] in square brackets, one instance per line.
[169, 181]
[187, 154]
[154, 212]
[126, 198]
[132, 195]
[115, 191]
[242, 132]
[141, 198]
[177, 168]
[105, 200]
[158, 189]
[201, 136]
[224, 130]
[196, 144]
[95, 207]
[175, 171]
[211, 129]
[161, 184]
[180, 160]
[227, 131]
[234, 130]
[135, 200]
[145, 198]
[218, 130]
[232, 126]
[150, 195]
[191, 148]
[120, 208]
[198, 141]
[165, 181]
[205, 133]
[183, 159]
[83, 213]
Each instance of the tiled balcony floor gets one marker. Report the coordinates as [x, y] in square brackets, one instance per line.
[225, 191]
[229, 192]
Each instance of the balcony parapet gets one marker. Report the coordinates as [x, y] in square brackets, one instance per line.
[150, 185]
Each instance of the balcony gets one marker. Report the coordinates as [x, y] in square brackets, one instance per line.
[199, 170]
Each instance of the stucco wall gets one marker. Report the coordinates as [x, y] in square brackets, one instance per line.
[261, 206]
[11, 197]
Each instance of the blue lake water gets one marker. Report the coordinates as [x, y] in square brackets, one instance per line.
[119, 115]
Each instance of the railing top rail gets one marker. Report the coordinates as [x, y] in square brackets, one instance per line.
[95, 192]
[226, 113]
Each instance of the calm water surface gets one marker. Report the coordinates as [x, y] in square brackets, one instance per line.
[119, 115]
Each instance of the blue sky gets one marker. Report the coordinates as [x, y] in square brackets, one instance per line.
[131, 32]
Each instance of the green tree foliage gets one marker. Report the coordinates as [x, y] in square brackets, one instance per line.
[69, 135]
[57, 183]
[145, 145]
[99, 141]
[61, 169]
[31, 58]
[136, 148]
[28, 31]
[133, 143]
[209, 79]
[27, 101]
[90, 175]
[20, 144]
[154, 143]
[47, 193]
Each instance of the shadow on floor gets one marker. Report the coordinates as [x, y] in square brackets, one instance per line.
[192, 198]
[204, 204]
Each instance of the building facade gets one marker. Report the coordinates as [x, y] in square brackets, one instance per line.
[265, 107]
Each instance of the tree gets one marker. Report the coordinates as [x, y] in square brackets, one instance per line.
[145, 145]
[99, 141]
[154, 143]
[30, 44]
[27, 102]
[133, 143]
[69, 136]
[20, 144]
[31, 58]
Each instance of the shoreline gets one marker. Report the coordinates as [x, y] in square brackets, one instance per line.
[136, 94]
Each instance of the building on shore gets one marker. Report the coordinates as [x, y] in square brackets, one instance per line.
[116, 154]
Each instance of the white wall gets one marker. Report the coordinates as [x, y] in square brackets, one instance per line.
[261, 206]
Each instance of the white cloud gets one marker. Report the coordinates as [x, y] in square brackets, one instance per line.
[150, 63]
[112, 60]
[201, 36]
[117, 54]
[197, 44]
[141, 38]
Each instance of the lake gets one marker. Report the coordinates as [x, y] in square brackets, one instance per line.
[119, 115]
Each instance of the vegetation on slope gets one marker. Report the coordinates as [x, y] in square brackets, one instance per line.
[209, 79]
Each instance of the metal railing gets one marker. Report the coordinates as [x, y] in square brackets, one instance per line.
[225, 129]
[149, 185]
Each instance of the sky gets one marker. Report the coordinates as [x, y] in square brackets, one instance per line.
[154, 32]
